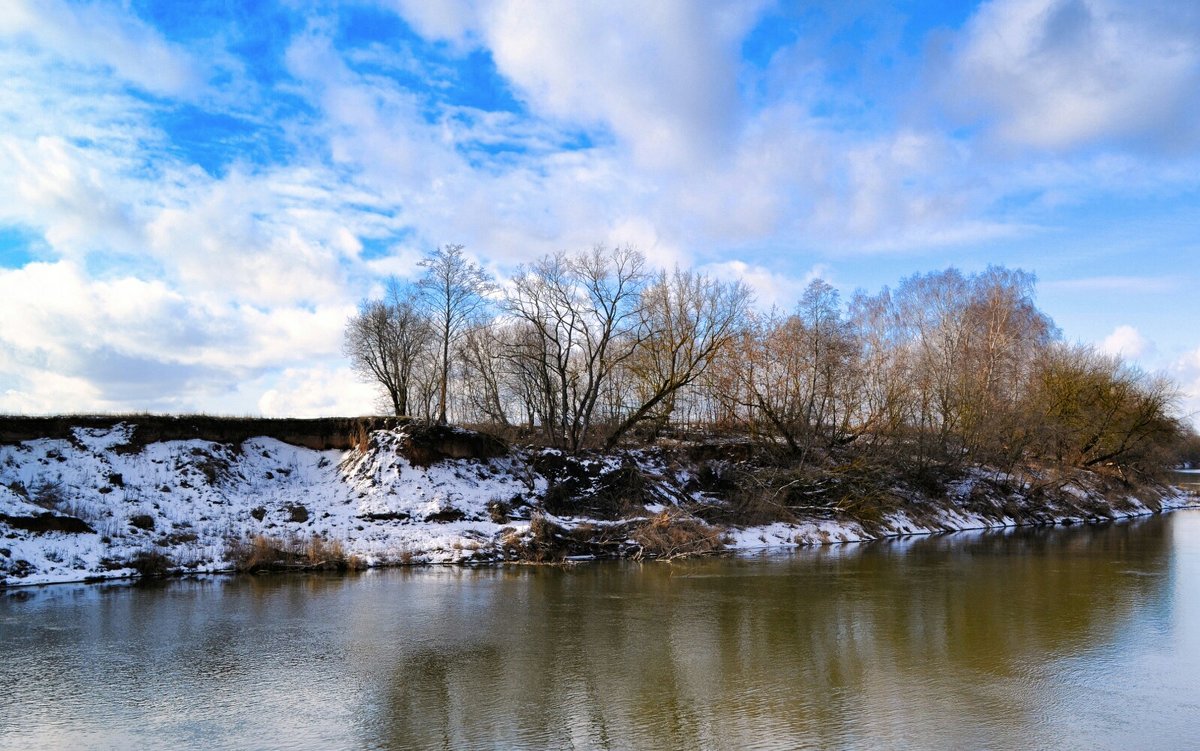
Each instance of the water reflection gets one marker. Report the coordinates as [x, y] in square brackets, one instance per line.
[843, 646]
[1025, 639]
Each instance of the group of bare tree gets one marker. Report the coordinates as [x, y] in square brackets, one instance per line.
[584, 349]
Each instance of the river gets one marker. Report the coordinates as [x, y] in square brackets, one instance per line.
[1080, 637]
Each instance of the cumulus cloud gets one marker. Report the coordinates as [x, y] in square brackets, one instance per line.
[275, 238]
[325, 389]
[1127, 342]
[125, 343]
[772, 289]
[106, 344]
[1059, 74]
[72, 193]
[666, 85]
[1186, 371]
[708, 168]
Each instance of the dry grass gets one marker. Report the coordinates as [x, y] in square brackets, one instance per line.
[263, 553]
[670, 534]
[360, 437]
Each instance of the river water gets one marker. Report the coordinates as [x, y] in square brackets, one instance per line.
[1080, 637]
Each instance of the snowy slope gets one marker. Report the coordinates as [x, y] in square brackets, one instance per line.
[189, 499]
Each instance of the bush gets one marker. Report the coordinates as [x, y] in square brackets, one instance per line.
[142, 521]
[259, 553]
[670, 535]
[48, 494]
[151, 564]
[322, 553]
[499, 510]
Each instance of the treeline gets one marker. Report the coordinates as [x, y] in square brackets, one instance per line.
[586, 349]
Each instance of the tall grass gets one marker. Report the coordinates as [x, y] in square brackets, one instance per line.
[263, 553]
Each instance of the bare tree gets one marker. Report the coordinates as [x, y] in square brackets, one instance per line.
[455, 289]
[482, 354]
[931, 310]
[589, 347]
[1096, 410]
[796, 376]
[884, 404]
[385, 342]
[1005, 332]
[829, 351]
[581, 319]
[688, 319]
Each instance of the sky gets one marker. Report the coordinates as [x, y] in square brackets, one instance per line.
[195, 196]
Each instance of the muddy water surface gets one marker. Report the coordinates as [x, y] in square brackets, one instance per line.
[1081, 637]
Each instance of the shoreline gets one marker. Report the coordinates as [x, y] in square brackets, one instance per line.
[735, 551]
[728, 552]
[100, 505]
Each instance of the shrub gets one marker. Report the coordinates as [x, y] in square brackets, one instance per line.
[670, 535]
[360, 437]
[499, 510]
[48, 494]
[151, 564]
[259, 553]
[142, 521]
[321, 552]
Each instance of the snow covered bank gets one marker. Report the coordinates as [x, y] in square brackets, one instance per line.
[88, 505]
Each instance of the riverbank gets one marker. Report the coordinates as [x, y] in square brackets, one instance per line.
[108, 499]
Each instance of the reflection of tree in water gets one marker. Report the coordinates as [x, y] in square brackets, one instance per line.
[829, 647]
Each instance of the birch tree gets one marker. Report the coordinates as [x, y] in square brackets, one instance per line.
[455, 289]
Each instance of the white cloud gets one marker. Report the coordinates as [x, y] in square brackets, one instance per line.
[1058, 74]
[1186, 371]
[666, 84]
[275, 238]
[452, 20]
[772, 289]
[324, 390]
[101, 35]
[126, 343]
[49, 393]
[75, 195]
[1127, 342]
[54, 308]
[72, 343]
[230, 286]
[778, 174]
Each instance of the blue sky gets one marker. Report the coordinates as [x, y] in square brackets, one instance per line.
[195, 196]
